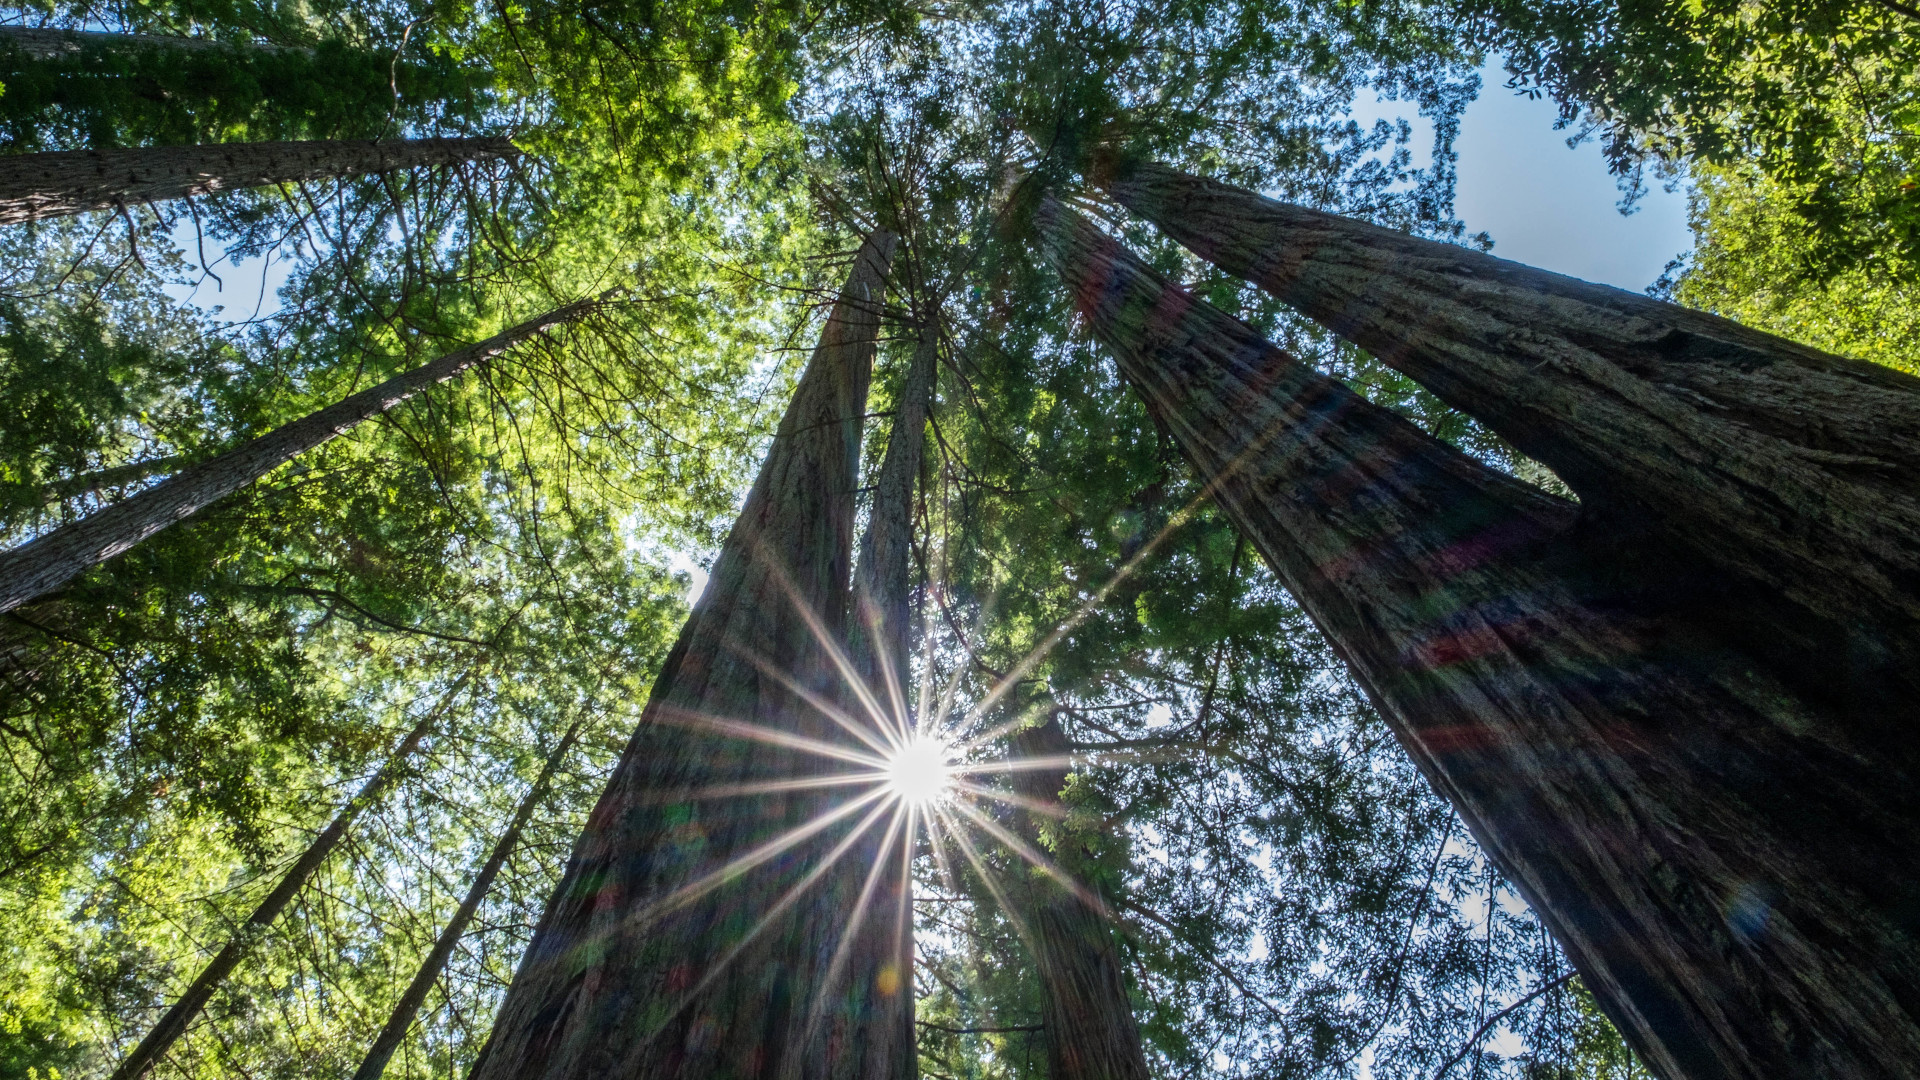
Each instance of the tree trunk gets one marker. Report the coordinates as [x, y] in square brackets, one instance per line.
[1763, 486]
[1732, 874]
[61, 182]
[51, 560]
[401, 1019]
[50, 43]
[174, 1024]
[692, 926]
[1090, 1030]
[879, 645]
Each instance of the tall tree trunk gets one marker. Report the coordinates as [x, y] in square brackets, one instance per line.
[692, 925]
[404, 1010]
[174, 1024]
[50, 43]
[880, 979]
[1090, 1029]
[1767, 487]
[1734, 876]
[61, 182]
[51, 560]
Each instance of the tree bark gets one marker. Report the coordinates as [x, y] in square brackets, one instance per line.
[51, 560]
[62, 182]
[401, 1019]
[1732, 872]
[174, 1024]
[1736, 475]
[1090, 1030]
[50, 43]
[672, 948]
[879, 646]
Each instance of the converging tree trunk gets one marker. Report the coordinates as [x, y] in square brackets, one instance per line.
[61, 182]
[51, 560]
[174, 1024]
[880, 980]
[1088, 1020]
[693, 926]
[1731, 870]
[1769, 487]
[404, 1010]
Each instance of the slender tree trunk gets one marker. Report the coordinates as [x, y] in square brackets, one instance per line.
[174, 1024]
[1770, 487]
[61, 182]
[51, 560]
[880, 979]
[1733, 874]
[1090, 1029]
[48, 43]
[693, 926]
[93, 483]
[401, 1019]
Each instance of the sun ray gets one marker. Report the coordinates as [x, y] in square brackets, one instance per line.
[1040, 861]
[787, 900]
[824, 990]
[668, 714]
[986, 876]
[830, 644]
[903, 726]
[763, 787]
[1035, 806]
[826, 706]
[706, 883]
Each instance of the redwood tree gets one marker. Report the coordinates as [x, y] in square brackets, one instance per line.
[1729, 866]
[54, 558]
[174, 1022]
[61, 182]
[692, 929]
[1087, 1018]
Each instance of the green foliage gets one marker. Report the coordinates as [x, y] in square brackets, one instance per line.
[1747, 264]
[106, 95]
[1821, 98]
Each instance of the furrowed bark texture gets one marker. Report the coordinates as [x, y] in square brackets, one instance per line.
[1695, 444]
[400, 1020]
[684, 939]
[62, 182]
[1729, 870]
[174, 1024]
[37, 43]
[879, 645]
[1090, 1030]
[51, 560]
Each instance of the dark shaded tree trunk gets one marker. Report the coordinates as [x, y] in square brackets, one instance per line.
[1739, 476]
[1731, 871]
[1090, 1030]
[174, 1024]
[879, 986]
[49, 43]
[401, 1019]
[679, 944]
[51, 560]
[62, 182]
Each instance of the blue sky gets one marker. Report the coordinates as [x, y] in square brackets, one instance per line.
[1551, 206]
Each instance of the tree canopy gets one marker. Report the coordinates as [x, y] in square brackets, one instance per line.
[508, 557]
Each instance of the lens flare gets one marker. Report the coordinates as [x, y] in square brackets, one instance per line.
[920, 772]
